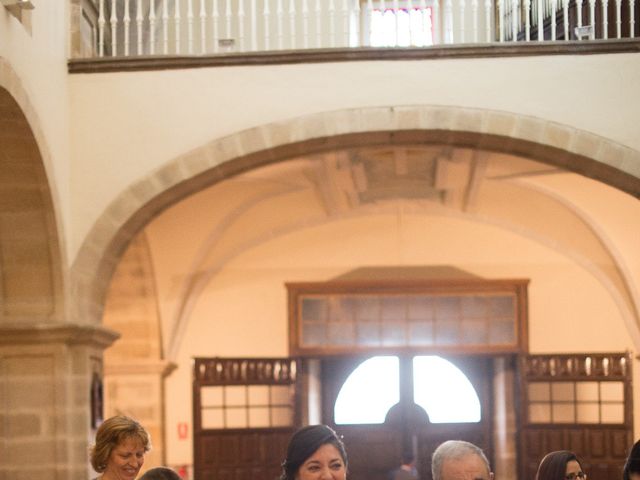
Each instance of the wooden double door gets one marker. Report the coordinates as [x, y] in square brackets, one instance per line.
[374, 450]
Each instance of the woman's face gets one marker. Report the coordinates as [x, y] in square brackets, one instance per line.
[125, 460]
[325, 464]
[574, 471]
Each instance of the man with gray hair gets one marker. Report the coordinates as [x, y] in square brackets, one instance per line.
[460, 460]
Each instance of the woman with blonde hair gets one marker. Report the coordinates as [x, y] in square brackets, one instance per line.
[119, 450]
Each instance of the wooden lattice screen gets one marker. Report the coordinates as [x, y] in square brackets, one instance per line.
[244, 413]
[578, 402]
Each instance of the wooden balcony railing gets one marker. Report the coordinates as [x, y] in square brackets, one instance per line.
[122, 28]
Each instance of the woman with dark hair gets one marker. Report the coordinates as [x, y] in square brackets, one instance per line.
[315, 452]
[632, 465]
[560, 465]
[160, 473]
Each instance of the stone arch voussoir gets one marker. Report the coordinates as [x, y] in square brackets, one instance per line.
[555, 144]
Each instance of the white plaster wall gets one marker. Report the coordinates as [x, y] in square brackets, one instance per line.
[39, 60]
[125, 125]
[243, 311]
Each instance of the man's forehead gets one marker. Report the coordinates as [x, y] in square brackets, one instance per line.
[467, 467]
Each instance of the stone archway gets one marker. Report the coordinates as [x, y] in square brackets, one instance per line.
[46, 363]
[551, 143]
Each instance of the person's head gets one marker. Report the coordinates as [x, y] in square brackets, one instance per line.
[315, 452]
[460, 460]
[120, 447]
[160, 473]
[408, 458]
[560, 465]
[632, 465]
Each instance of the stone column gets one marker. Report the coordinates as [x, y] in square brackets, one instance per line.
[504, 437]
[45, 399]
[137, 389]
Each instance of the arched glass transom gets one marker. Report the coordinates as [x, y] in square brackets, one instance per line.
[369, 392]
[441, 388]
[444, 391]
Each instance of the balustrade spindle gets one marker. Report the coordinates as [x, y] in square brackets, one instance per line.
[113, 21]
[565, 17]
[579, 13]
[527, 20]
[215, 17]
[227, 17]
[165, 27]
[396, 16]
[332, 23]
[474, 15]
[345, 22]
[554, 6]
[292, 24]
[605, 21]
[126, 20]
[592, 19]
[241, 25]
[265, 14]
[501, 14]
[448, 21]
[203, 27]
[254, 25]
[318, 10]
[305, 24]
[190, 27]
[176, 20]
[409, 10]
[279, 14]
[366, 36]
[101, 22]
[540, 21]
[463, 7]
[488, 5]
[139, 19]
[382, 8]
[618, 19]
[423, 22]
[632, 18]
[152, 27]
[435, 18]
[356, 35]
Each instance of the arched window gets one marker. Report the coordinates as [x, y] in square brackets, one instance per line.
[444, 391]
[440, 387]
[369, 392]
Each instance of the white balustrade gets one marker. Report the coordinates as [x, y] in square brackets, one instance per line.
[221, 26]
